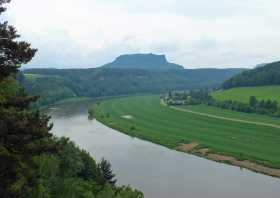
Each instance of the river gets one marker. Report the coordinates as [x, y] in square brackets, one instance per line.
[155, 170]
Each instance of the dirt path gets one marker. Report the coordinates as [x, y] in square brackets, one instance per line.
[224, 118]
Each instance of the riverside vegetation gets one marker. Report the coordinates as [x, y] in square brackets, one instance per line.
[33, 162]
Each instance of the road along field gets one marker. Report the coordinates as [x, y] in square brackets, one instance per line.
[225, 114]
[219, 139]
[243, 94]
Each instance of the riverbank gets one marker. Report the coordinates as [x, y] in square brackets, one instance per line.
[193, 148]
[155, 170]
[226, 141]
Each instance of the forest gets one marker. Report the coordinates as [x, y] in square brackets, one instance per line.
[34, 163]
[261, 76]
[56, 84]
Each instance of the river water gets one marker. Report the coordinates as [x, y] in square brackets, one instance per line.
[155, 170]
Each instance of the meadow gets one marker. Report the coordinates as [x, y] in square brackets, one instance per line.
[242, 94]
[217, 111]
[146, 118]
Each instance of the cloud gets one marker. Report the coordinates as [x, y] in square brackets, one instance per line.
[194, 33]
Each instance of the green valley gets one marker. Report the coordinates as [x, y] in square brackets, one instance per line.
[134, 99]
[127, 75]
[145, 117]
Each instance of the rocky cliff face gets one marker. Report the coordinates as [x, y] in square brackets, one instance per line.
[143, 61]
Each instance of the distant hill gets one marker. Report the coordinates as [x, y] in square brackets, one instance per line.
[261, 76]
[127, 75]
[261, 65]
[143, 61]
[57, 84]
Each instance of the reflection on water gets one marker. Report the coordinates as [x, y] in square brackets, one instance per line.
[157, 171]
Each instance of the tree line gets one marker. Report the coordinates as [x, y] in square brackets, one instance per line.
[267, 107]
[56, 84]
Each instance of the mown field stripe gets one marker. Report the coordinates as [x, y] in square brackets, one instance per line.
[225, 118]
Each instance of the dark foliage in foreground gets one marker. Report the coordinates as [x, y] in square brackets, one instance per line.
[23, 133]
[33, 164]
[72, 172]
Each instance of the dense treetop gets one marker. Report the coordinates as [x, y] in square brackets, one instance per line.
[260, 76]
[34, 164]
[24, 134]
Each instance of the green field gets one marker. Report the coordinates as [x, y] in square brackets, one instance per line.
[145, 117]
[243, 94]
[233, 114]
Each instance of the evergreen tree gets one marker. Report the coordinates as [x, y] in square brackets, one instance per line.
[13, 53]
[105, 173]
[253, 101]
[23, 133]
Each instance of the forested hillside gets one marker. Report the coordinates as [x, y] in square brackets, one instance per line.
[260, 76]
[33, 163]
[56, 84]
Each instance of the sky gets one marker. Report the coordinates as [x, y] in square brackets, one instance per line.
[193, 33]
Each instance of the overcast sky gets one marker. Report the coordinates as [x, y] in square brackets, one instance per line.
[194, 33]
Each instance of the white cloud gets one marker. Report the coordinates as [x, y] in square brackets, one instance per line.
[194, 33]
